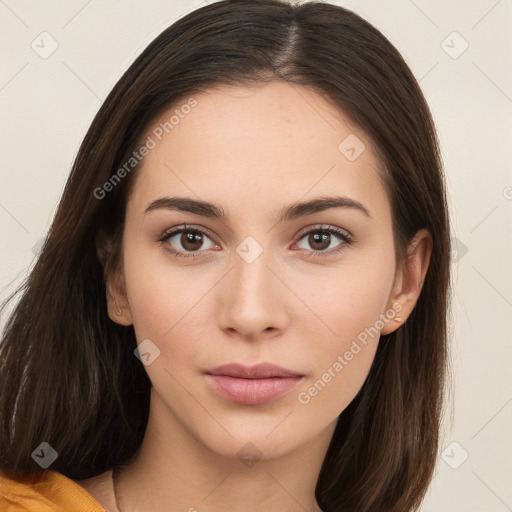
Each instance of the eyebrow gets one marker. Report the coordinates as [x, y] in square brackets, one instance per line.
[293, 211]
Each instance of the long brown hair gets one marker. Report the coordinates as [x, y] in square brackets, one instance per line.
[68, 374]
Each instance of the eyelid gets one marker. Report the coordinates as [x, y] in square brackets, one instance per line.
[185, 227]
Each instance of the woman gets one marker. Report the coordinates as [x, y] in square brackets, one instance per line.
[242, 299]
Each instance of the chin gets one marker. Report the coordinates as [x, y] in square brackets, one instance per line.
[252, 436]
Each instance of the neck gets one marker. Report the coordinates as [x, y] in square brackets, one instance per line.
[174, 467]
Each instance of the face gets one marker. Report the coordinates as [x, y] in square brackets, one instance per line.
[306, 289]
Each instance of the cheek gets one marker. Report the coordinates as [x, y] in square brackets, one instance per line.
[167, 305]
[340, 367]
[345, 300]
[349, 309]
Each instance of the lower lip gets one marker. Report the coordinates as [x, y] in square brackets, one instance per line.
[252, 391]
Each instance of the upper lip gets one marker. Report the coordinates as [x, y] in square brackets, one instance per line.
[259, 371]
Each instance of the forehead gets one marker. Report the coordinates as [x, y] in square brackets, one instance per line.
[260, 146]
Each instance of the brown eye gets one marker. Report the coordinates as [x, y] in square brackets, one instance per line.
[319, 240]
[191, 241]
[186, 242]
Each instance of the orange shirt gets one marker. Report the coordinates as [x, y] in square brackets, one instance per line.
[49, 491]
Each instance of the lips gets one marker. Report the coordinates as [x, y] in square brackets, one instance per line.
[259, 371]
[252, 385]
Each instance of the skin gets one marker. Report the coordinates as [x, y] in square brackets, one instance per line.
[253, 151]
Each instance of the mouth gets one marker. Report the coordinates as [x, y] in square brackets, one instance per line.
[252, 385]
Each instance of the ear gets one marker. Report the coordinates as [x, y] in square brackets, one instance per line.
[409, 280]
[108, 251]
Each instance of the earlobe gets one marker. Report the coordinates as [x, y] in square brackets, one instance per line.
[118, 306]
[120, 315]
[396, 316]
[409, 280]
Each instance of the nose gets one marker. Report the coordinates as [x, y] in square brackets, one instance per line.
[252, 299]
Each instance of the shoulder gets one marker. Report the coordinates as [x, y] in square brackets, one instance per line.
[49, 491]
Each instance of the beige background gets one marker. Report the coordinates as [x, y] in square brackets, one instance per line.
[47, 104]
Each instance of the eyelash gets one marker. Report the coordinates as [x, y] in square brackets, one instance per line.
[343, 235]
